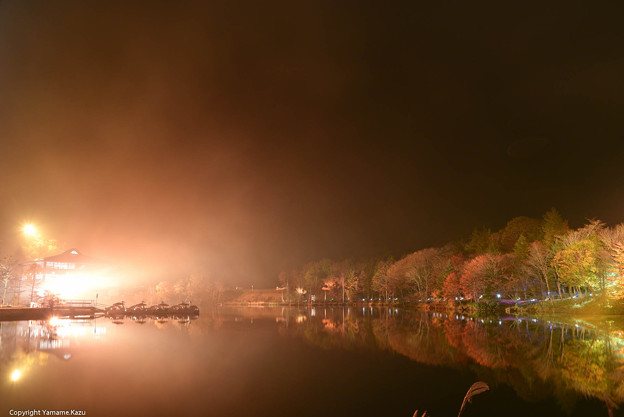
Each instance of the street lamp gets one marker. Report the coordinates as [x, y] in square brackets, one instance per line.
[30, 230]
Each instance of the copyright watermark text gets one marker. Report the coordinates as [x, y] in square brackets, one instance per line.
[34, 412]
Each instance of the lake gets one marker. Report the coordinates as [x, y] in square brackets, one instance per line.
[312, 362]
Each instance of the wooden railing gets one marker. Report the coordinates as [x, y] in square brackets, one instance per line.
[76, 303]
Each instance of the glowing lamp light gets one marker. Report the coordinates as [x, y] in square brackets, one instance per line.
[29, 230]
[16, 375]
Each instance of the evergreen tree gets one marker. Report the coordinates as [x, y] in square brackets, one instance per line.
[553, 225]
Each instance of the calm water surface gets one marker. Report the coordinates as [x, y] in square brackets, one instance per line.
[312, 362]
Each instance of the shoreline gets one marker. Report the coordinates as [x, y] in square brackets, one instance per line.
[44, 313]
[580, 307]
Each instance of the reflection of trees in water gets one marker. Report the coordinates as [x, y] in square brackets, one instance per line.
[418, 339]
[330, 329]
[539, 360]
[593, 363]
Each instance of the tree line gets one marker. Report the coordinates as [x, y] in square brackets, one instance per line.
[528, 259]
[19, 283]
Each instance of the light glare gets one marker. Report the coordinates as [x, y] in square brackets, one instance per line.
[29, 229]
[17, 374]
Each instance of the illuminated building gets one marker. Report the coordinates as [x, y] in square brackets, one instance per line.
[70, 274]
[71, 260]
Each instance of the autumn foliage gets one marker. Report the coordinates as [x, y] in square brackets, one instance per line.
[528, 259]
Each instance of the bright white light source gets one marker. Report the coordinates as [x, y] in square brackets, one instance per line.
[498, 296]
[29, 230]
[17, 374]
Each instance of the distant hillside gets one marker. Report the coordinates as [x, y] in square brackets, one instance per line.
[254, 296]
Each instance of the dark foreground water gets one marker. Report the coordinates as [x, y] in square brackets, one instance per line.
[316, 362]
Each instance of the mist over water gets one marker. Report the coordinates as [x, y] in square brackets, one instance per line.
[283, 362]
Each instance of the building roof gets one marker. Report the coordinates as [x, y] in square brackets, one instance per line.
[71, 256]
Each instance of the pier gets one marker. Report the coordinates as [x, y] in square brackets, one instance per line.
[90, 309]
[77, 308]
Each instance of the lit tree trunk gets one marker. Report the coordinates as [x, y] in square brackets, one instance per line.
[4, 290]
[558, 281]
[19, 290]
[32, 287]
[548, 288]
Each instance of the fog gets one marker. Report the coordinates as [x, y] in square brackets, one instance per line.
[240, 139]
[152, 137]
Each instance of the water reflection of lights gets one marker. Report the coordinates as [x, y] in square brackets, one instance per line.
[16, 375]
[28, 345]
[67, 328]
[34, 342]
[55, 332]
[53, 344]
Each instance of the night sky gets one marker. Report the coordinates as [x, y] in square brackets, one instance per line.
[240, 138]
